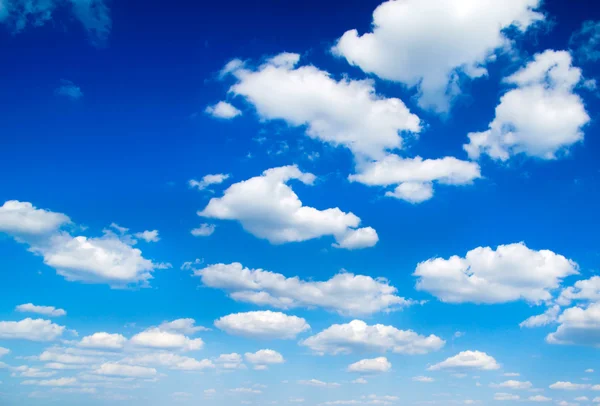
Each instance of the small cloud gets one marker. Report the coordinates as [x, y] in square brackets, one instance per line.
[69, 89]
[148, 236]
[223, 110]
[205, 230]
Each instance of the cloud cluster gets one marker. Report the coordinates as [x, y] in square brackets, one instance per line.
[267, 207]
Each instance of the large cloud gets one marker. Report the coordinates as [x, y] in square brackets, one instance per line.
[415, 177]
[468, 360]
[427, 43]
[345, 112]
[265, 324]
[30, 329]
[110, 258]
[268, 208]
[578, 326]
[357, 335]
[509, 273]
[542, 117]
[345, 293]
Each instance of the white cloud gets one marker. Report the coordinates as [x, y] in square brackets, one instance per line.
[561, 385]
[585, 290]
[589, 371]
[539, 398]
[579, 326]
[346, 112]
[161, 339]
[264, 357]
[103, 341]
[426, 379]
[93, 15]
[27, 372]
[205, 230]
[433, 44]
[171, 361]
[4, 351]
[506, 396]
[52, 382]
[541, 118]
[49, 311]
[30, 329]
[22, 218]
[581, 399]
[468, 360]
[549, 316]
[586, 41]
[509, 273]
[265, 324]
[67, 356]
[246, 390]
[268, 208]
[357, 335]
[317, 383]
[512, 384]
[148, 235]
[230, 361]
[134, 371]
[414, 177]
[374, 365]
[345, 293]
[183, 326]
[208, 180]
[223, 110]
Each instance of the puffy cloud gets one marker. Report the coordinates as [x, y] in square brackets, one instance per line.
[70, 90]
[208, 180]
[579, 326]
[171, 361]
[134, 371]
[459, 36]
[22, 218]
[414, 177]
[512, 384]
[103, 341]
[148, 235]
[549, 316]
[49, 311]
[161, 339]
[183, 326]
[345, 112]
[469, 360]
[561, 385]
[108, 259]
[30, 329]
[205, 230]
[585, 42]
[541, 117]
[265, 324]
[264, 357]
[509, 273]
[230, 361]
[357, 335]
[374, 365]
[506, 396]
[584, 290]
[345, 293]
[268, 208]
[67, 356]
[94, 15]
[321, 384]
[223, 110]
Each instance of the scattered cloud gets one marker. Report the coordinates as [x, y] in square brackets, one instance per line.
[208, 180]
[585, 42]
[468, 360]
[49, 311]
[579, 326]
[103, 341]
[148, 235]
[369, 366]
[223, 110]
[70, 90]
[121, 370]
[30, 329]
[205, 230]
[263, 325]
[549, 316]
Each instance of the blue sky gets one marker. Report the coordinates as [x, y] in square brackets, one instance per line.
[347, 203]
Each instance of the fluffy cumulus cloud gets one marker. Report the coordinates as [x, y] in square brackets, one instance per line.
[264, 357]
[208, 180]
[345, 113]
[414, 177]
[103, 341]
[509, 273]
[265, 324]
[205, 230]
[30, 329]
[562, 385]
[267, 207]
[223, 110]
[110, 258]
[370, 366]
[459, 36]
[578, 326]
[468, 360]
[549, 316]
[542, 117]
[357, 335]
[162, 339]
[93, 15]
[148, 235]
[344, 293]
[512, 384]
[123, 370]
[587, 290]
[49, 311]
